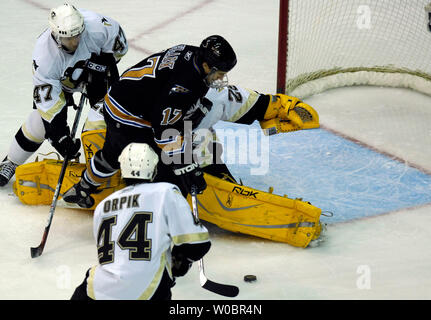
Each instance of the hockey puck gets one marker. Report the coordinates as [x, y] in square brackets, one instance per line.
[250, 278]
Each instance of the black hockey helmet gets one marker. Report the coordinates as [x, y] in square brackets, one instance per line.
[217, 53]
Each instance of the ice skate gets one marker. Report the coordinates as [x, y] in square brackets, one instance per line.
[80, 194]
[7, 170]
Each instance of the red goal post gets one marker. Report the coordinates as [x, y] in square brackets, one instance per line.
[324, 44]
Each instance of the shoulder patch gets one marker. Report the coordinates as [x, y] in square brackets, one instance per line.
[178, 89]
[188, 55]
[105, 22]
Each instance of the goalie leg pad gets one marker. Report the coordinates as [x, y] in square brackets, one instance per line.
[245, 210]
[36, 182]
[92, 141]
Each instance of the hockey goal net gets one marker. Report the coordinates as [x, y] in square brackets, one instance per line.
[325, 44]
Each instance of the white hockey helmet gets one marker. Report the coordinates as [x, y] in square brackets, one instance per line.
[66, 21]
[138, 161]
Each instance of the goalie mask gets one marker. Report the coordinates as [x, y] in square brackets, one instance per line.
[138, 161]
[66, 24]
[220, 57]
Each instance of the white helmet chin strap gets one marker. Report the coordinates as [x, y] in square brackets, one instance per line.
[60, 45]
[57, 39]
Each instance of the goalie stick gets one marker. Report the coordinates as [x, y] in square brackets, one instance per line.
[37, 251]
[218, 288]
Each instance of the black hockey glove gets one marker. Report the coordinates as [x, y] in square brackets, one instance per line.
[198, 111]
[66, 146]
[180, 264]
[58, 134]
[97, 73]
[190, 175]
[103, 72]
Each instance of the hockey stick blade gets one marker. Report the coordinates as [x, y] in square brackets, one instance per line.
[218, 288]
[37, 251]
[221, 289]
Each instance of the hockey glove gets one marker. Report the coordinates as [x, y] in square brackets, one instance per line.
[99, 69]
[180, 265]
[103, 72]
[286, 113]
[190, 175]
[198, 111]
[66, 146]
[58, 134]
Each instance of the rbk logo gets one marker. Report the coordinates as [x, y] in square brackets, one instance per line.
[89, 149]
[244, 192]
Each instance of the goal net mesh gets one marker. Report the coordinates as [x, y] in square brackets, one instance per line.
[334, 43]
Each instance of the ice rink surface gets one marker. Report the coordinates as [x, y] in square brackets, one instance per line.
[369, 164]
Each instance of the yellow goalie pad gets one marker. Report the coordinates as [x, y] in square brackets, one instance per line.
[92, 141]
[245, 210]
[35, 182]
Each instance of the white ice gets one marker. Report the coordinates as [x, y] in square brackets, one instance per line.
[381, 257]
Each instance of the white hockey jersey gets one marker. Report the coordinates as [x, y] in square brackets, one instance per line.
[134, 229]
[229, 104]
[101, 34]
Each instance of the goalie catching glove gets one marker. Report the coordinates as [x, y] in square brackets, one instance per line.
[286, 113]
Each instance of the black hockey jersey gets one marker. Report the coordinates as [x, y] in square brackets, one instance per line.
[159, 92]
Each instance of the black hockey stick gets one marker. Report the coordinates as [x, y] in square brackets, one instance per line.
[218, 288]
[37, 251]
